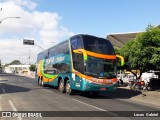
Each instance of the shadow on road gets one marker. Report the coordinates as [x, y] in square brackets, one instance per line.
[10, 75]
[6, 74]
[12, 88]
[121, 93]
[124, 93]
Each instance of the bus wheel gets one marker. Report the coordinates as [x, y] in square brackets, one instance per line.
[60, 86]
[68, 89]
[40, 82]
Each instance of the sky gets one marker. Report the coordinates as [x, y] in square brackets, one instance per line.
[48, 22]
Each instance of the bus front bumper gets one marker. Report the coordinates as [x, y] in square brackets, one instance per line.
[98, 87]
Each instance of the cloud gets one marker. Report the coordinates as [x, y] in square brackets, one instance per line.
[43, 27]
[29, 4]
[12, 49]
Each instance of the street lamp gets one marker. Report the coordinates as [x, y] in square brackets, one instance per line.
[7, 18]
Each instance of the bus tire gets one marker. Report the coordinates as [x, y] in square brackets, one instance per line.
[42, 83]
[60, 86]
[38, 81]
[68, 89]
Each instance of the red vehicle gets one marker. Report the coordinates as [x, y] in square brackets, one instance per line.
[137, 85]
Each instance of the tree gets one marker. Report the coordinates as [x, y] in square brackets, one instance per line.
[15, 62]
[32, 67]
[143, 52]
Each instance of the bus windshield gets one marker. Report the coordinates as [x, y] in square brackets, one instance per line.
[100, 68]
[97, 45]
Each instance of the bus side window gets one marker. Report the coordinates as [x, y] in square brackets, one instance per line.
[65, 48]
[54, 51]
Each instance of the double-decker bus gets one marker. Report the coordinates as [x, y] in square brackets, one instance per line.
[83, 63]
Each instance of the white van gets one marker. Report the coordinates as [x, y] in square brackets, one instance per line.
[147, 76]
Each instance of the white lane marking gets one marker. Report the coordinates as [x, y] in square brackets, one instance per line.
[47, 90]
[95, 107]
[12, 105]
[90, 105]
[1, 99]
[3, 90]
[14, 108]
[29, 83]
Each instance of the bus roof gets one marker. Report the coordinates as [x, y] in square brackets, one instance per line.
[53, 46]
[80, 35]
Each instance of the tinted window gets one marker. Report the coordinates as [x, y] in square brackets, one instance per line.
[65, 48]
[78, 62]
[57, 68]
[62, 48]
[42, 55]
[52, 52]
[98, 45]
[76, 43]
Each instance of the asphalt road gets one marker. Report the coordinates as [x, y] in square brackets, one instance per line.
[19, 93]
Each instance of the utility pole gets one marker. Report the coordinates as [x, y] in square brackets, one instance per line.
[30, 42]
[29, 57]
[0, 66]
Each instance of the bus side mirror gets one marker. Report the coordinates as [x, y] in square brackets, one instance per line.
[122, 59]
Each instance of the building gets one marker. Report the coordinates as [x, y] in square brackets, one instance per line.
[119, 39]
[20, 69]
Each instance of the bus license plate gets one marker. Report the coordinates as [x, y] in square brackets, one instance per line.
[102, 88]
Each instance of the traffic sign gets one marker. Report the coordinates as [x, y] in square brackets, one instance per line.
[28, 42]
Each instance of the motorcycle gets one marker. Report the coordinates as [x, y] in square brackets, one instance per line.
[137, 85]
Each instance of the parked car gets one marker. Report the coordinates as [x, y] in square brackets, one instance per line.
[151, 79]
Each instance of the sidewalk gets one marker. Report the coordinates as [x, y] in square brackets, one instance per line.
[146, 97]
